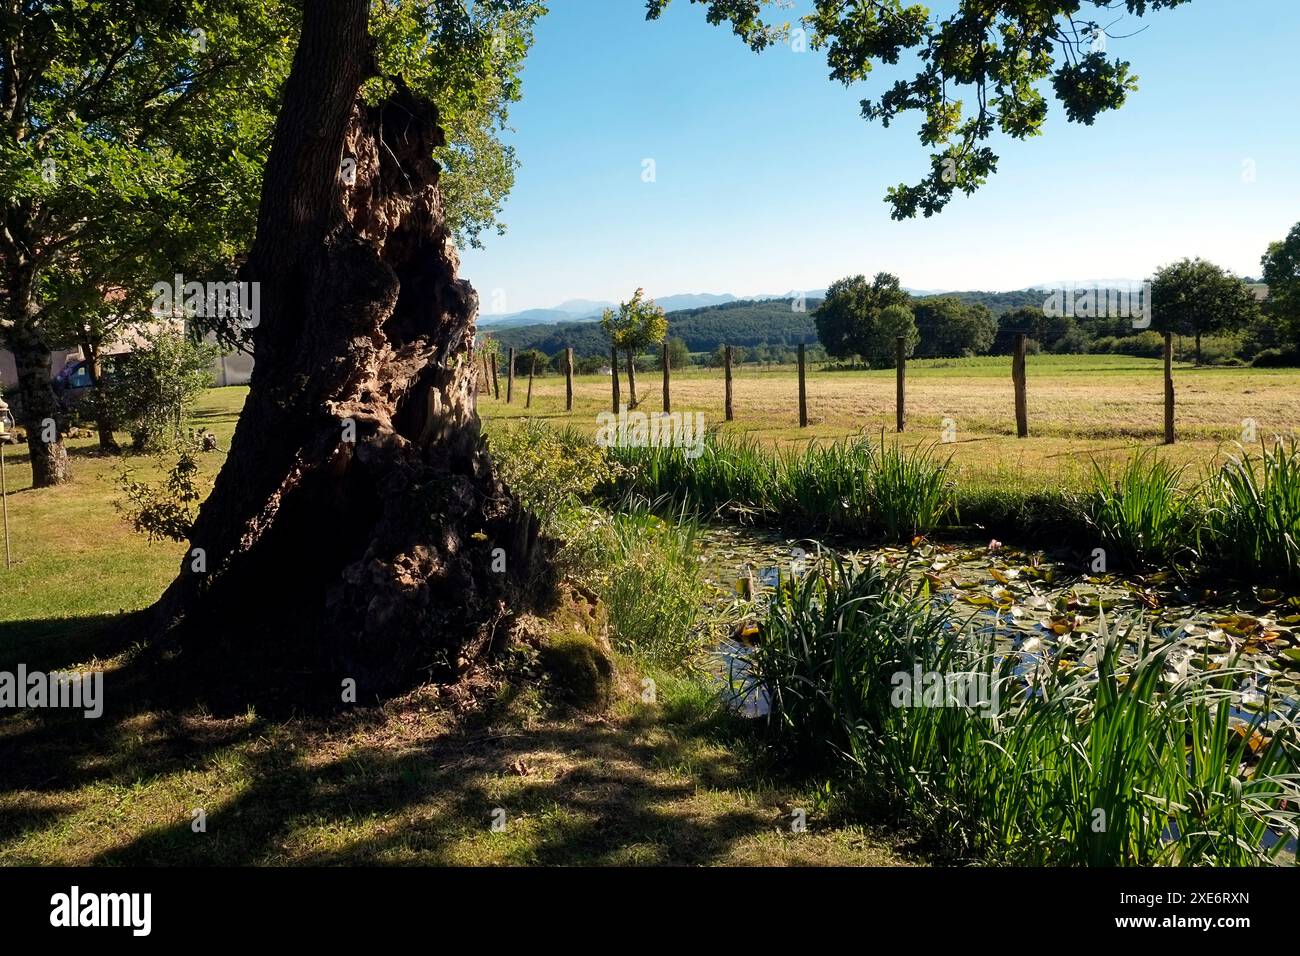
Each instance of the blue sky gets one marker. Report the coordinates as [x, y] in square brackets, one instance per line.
[768, 180]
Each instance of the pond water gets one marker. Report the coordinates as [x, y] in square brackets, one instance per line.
[1034, 603]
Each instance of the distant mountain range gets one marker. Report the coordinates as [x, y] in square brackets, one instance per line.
[576, 310]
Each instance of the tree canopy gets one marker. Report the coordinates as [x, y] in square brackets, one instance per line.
[848, 319]
[1195, 297]
[638, 324]
[1281, 266]
[1000, 55]
[950, 328]
[133, 137]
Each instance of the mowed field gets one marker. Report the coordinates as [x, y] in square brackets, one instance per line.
[1080, 408]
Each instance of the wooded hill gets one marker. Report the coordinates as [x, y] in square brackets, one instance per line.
[747, 324]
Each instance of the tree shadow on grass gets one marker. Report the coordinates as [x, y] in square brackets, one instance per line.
[55, 643]
[406, 783]
[434, 806]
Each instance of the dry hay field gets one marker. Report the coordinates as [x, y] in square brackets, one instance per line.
[1080, 408]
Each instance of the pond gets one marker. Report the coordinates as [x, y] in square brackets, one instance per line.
[1036, 603]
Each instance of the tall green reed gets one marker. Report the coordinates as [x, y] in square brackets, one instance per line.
[1252, 518]
[1140, 512]
[849, 485]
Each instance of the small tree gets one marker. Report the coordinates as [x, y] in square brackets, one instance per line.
[1196, 297]
[638, 325]
[489, 346]
[158, 384]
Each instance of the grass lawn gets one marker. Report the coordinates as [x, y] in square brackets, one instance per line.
[1080, 407]
[414, 782]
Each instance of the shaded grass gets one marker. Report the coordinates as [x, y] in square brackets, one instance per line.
[414, 782]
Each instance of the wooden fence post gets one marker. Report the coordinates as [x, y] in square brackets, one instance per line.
[510, 378]
[532, 370]
[487, 376]
[900, 389]
[1018, 379]
[613, 375]
[803, 389]
[496, 385]
[1169, 388]
[726, 364]
[568, 379]
[668, 399]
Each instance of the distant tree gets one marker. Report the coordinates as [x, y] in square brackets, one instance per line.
[524, 362]
[847, 319]
[679, 356]
[950, 328]
[589, 364]
[893, 321]
[638, 325]
[1026, 320]
[1281, 266]
[1196, 297]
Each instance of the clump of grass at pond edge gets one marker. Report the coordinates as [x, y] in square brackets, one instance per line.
[1140, 513]
[653, 584]
[1091, 757]
[1252, 518]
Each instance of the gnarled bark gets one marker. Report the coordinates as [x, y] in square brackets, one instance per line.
[372, 559]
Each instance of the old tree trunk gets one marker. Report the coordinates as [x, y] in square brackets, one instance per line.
[353, 532]
[22, 335]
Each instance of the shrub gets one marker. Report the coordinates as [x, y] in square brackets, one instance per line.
[165, 511]
[548, 470]
[1215, 349]
[1143, 345]
[1073, 342]
[1276, 358]
[154, 389]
